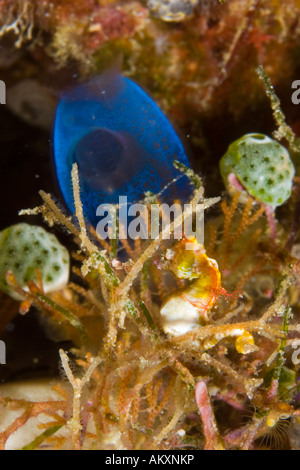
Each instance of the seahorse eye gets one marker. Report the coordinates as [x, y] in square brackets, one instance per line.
[101, 155]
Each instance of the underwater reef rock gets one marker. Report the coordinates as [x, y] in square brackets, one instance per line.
[188, 67]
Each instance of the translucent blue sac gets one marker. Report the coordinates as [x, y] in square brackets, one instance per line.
[122, 142]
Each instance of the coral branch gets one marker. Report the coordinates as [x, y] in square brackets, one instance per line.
[210, 429]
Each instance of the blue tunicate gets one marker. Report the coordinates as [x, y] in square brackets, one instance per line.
[122, 142]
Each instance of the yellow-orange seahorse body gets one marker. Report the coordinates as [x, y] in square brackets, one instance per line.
[188, 308]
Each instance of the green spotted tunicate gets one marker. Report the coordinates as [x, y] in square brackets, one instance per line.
[25, 248]
[172, 10]
[262, 166]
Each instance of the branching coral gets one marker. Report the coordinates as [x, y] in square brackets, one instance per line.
[136, 387]
[18, 17]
